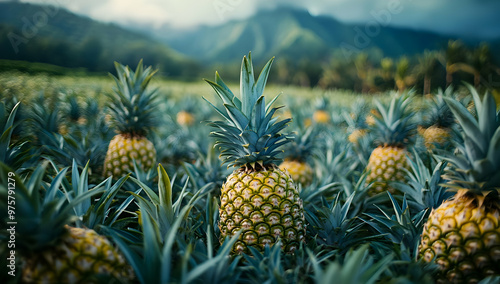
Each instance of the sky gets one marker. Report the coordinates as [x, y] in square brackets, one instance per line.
[471, 18]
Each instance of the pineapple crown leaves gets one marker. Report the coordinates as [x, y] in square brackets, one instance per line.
[394, 126]
[161, 207]
[12, 155]
[335, 225]
[155, 265]
[478, 163]
[133, 102]
[355, 119]
[303, 145]
[93, 215]
[41, 209]
[359, 266]
[249, 135]
[401, 227]
[424, 184]
[439, 113]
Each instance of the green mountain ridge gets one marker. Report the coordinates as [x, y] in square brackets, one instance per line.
[41, 33]
[294, 33]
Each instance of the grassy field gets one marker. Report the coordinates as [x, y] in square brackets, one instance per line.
[24, 85]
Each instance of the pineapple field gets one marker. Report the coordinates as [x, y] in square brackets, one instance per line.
[133, 178]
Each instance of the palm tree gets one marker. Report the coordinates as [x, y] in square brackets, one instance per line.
[403, 76]
[480, 61]
[455, 55]
[426, 66]
[363, 68]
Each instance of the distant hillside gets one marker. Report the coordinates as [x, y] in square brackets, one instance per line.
[50, 35]
[296, 34]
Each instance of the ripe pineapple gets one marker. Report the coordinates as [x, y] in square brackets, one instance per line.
[463, 234]
[51, 251]
[370, 118]
[131, 110]
[185, 116]
[357, 126]
[297, 154]
[440, 120]
[321, 114]
[392, 133]
[257, 198]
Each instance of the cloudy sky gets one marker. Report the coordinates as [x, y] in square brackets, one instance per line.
[461, 17]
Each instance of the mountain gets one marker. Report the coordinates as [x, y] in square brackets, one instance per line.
[293, 33]
[42, 33]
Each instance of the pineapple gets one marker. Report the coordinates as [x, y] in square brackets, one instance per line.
[131, 110]
[370, 118]
[356, 125]
[463, 234]
[51, 251]
[297, 154]
[393, 129]
[321, 114]
[257, 198]
[441, 121]
[186, 117]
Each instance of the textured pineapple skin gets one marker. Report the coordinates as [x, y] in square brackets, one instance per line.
[185, 118]
[300, 172]
[464, 240]
[263, 204]
[436, 135]
[386, 164]
[121, 152]
[82, 253]
[321, 116]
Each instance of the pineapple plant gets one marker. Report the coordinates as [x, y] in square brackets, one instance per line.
[392, 132]
[321, 114]
[357, 126]
[463, 234]
[51, 250]
[440, 121]
[370, 118]
[258, 199]
[131, 110]
[297, 155]
[186, 117]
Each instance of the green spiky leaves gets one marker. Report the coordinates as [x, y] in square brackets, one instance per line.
[394, 126]
[478, 163]
[133, 102]
[249, 135]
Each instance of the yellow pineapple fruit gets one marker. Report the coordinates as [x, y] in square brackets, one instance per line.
[436, 135]
[132, 115]
[321, 114]
[185, 118]
[440, 122]
[298, 155]
[79, 255]
[393, 130]
[258, 199]
[463, 234]
[50, 250]
[301, 172]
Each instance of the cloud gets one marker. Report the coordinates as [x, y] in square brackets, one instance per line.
[466, 17]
